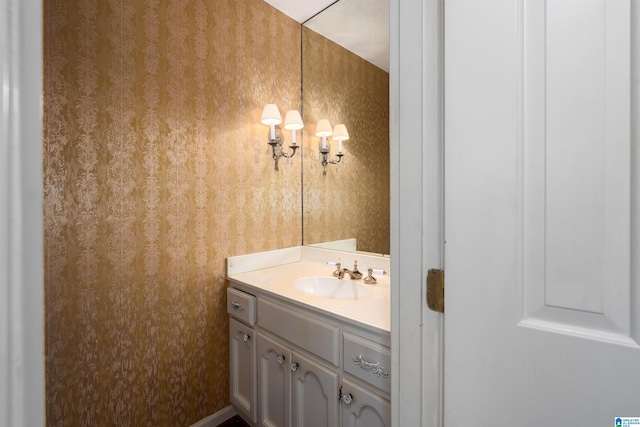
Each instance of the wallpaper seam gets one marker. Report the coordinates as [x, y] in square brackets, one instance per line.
[201, 199]
[121, 210]
[151, 196]
[55, 208]
[86, 225]
[177, 215]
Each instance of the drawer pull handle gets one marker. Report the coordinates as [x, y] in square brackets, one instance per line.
[236, 305]
[369, 366]
[246, 337]
[280, 359]
[294, 366]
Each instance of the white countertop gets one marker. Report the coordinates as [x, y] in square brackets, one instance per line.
[372, 312]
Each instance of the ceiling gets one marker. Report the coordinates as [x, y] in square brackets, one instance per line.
[361, 26]
[300, 10]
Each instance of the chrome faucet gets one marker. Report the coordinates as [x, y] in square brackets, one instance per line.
[353, 274]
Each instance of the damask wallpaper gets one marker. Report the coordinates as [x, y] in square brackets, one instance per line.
[352, 200]
[155, 170]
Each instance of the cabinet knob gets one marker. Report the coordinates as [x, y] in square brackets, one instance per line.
[237, 306]
[280, 359]
[294, 366]
[346, 398]
[246, 337]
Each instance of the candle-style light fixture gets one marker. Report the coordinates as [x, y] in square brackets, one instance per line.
[324, 130]
[293, 122]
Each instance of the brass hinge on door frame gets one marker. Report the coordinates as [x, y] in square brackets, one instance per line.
[435, 290]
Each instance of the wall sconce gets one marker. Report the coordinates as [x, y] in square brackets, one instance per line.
[323, 130]
[293, 122]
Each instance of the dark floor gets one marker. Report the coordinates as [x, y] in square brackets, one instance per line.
[236, 421]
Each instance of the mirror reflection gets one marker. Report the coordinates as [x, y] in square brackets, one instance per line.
[345, 79]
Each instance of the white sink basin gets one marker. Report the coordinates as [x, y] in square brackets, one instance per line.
[331, 287]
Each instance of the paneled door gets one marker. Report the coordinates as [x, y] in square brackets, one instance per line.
[242, 361]
[364, 408]
[542, 196]
[314, 401]
[274, 383]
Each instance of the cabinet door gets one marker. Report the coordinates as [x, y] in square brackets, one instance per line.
[314, 394]
[242, 363]
[364, 408]
[274, 383]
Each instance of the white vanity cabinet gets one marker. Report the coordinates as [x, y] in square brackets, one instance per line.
[309, 369]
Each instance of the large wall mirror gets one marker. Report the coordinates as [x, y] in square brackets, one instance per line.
[345, 79]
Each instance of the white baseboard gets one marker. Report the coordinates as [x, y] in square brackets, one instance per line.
[218, 418]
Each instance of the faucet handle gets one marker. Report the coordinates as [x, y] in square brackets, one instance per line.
[337, 271]
[370, 280]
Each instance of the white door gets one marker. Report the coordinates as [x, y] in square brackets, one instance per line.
[542, 218]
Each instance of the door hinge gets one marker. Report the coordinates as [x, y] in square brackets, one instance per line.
[435, 290]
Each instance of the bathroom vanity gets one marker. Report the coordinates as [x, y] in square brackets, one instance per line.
[299, 359]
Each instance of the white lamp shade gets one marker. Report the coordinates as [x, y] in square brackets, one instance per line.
[271, 115]
[323, 128]
[293, 121]
[340, 133]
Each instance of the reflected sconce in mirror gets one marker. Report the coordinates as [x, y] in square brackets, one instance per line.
[292, 122]
[339, 133]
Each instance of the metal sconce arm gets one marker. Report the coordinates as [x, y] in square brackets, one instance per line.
[325, 160]
[276, 148]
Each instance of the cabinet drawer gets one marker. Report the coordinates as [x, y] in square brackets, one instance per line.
[241, 305]
[368, 361]
[317, 337]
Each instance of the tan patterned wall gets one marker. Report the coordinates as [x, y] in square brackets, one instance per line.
[155, 170]
[354, 200]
